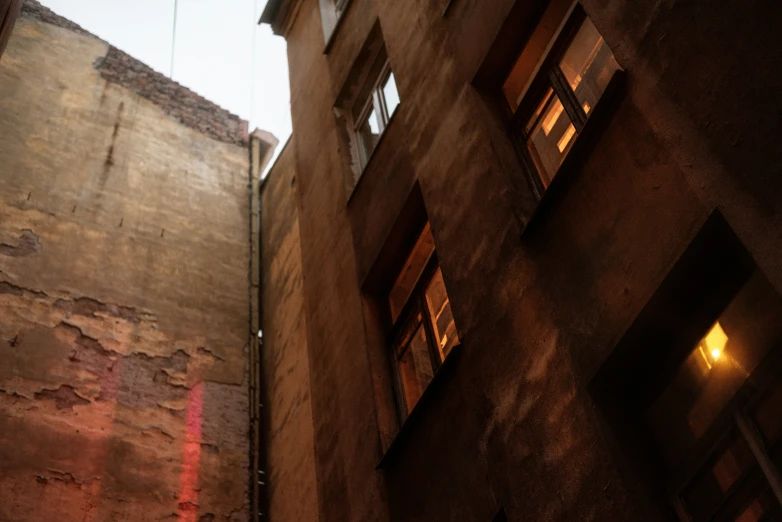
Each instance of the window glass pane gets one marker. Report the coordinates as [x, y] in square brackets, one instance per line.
[368, 135]
[442, 318]
[762, 508]
[588, 64]
[391, 94]
[534, 51]
[411, 272]
[550, 136]
[709, 486]
[339, 6]
[716, 368]
[414, 367]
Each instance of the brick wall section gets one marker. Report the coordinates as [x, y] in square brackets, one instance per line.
[36, 10]
[177, 101]
[180, 103]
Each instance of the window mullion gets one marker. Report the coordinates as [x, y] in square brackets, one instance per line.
[380, 107]
[756, 445]
[434, 352]
[567, 97]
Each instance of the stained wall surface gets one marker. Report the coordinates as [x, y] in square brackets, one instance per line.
[124, 259]
[540, 299]
[290, 473]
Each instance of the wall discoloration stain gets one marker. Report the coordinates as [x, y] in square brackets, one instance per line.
[64, 397]
[123, 387]
[28, 244]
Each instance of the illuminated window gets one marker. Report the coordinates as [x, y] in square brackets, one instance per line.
[424, 331]
[712, 422]
[693, 390]
[556, 81]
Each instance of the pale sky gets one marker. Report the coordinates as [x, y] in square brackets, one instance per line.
[221, 53]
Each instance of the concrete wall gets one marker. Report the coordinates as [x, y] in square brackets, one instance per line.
[124, 259]
[538, 310]
[290, 473]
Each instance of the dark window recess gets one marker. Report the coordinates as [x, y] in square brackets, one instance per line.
[371, 122]
[500, 516]
[331, 14]
[365, 105]
[424, 331]
[697, 387]
[555, 84]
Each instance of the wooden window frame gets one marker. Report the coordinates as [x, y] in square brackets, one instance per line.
[375, 100]
[547, 74]
[332, 13]
[734, 421]
[703, 282]
[340, 6]
[407, 324]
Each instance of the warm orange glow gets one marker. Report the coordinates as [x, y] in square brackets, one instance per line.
[716, 340]
[191, 456]
[552, 117]
[564, 141]
[586, 107]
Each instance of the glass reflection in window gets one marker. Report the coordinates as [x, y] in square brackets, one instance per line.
[550, 135]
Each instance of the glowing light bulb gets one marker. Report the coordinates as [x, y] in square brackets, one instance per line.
[716, 340]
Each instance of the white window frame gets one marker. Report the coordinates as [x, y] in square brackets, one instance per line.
[376, 101]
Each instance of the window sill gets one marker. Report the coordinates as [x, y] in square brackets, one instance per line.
[416, 417]
[337, 25]
[565, 174]
[372, 156]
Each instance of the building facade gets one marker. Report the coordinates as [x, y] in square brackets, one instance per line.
[125, 288]
[524, 262]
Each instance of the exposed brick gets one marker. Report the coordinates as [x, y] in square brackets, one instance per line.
[64, 397]
[180, 103]
[177, 101]
[34, 9]
[28, 244]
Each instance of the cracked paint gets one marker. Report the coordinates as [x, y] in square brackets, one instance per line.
[27, 245]
[110, 346]
[64, 397]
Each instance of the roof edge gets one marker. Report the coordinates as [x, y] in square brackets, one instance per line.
[280, 14]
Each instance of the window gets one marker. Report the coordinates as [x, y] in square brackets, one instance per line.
[331, 12]
[694, 389]
[423, 332]
[373, 119]
[718, 420]
[553, 87]
[365, 105]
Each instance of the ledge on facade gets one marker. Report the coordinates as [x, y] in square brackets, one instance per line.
[424, 404]
[278, 14]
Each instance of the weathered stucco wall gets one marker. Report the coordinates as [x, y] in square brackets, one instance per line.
[538, 311]
[124, 259]
[290, 451]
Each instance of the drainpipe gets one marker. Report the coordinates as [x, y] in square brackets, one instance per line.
[262, 145]
[9, 12]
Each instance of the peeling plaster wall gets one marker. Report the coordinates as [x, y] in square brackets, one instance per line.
[290, 451]
[124, 259]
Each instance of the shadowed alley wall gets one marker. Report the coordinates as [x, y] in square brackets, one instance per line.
[124, 259]
[290, 450]
[541, 299]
